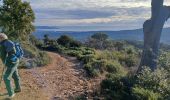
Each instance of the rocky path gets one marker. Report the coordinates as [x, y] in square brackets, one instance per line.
[63, 79]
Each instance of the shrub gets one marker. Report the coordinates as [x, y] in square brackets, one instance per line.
[30, 51]
[91, 71]
[75, 44]
[124, 59]
[33, 57]
[130, 61]
[157, 81]
[60, 49]
[114, 88]
[34, 41]
[164, 61]
[43, 59]
[87, 58]
[131, 50]
[67, 41]
[144, 94]
[74, 53]
[113, 67]
[99, 65]
[119, 45]
[87, 51]
[108, 55]
[95, 67]
[46, 39]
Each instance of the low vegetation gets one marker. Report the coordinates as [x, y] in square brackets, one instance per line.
[118, 61]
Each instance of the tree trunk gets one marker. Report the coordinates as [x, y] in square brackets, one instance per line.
[152, 32]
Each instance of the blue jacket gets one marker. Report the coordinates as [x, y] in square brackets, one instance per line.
[7, 52]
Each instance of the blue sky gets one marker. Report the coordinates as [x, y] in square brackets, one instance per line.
[118, 14]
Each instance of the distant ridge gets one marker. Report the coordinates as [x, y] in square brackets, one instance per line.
[136, 34]
[46, 27]
[58, 27]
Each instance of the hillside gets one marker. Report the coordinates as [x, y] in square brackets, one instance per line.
[62, 79]
[137, 34]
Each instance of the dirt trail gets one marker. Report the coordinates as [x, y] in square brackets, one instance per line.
[63, 79]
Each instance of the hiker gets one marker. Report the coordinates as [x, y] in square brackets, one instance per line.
[10, 61]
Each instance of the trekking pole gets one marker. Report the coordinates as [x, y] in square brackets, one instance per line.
[2, 75]
[3, 65]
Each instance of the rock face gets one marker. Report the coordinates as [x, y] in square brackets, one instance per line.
[152, 32]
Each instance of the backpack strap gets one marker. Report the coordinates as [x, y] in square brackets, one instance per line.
[5, 55]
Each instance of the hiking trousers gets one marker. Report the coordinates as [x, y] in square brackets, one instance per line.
[11, 71]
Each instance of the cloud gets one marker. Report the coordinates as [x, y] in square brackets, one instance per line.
[88, 4]
[90, 17]
[85, 4]
[92, 12]
[90, 21]
[78, 14]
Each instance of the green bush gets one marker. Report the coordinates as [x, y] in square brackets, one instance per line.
[119, 45]
[43, 59]
[130, 61]
[99, 65]
[68, 41]
[113, 67]
[90, 70]
[95, 67]
[157, 81]
[144, 94]
[164, 60]
[33, 57]
[64, 40]
[60, 49]
[87, 58]
[73, 53]
[114, 88]
[34, 41]
[75, 43]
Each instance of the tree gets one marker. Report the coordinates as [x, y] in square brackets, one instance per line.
[46, 39]
[100, 38]
[119, 45]
[68, 41]
[64, 40]
[16, 19]
[152, 33]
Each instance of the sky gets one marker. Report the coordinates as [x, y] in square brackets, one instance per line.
[114, 14]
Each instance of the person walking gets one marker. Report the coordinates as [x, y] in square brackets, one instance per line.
[11, 62]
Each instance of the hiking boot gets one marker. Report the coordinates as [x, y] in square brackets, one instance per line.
[17, 90]
[12, 95]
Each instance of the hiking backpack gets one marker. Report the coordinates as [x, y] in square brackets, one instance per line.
[19, 50]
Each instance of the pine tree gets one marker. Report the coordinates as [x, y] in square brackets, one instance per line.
[16, 19]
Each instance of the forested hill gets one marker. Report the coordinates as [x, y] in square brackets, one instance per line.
[136, 34]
